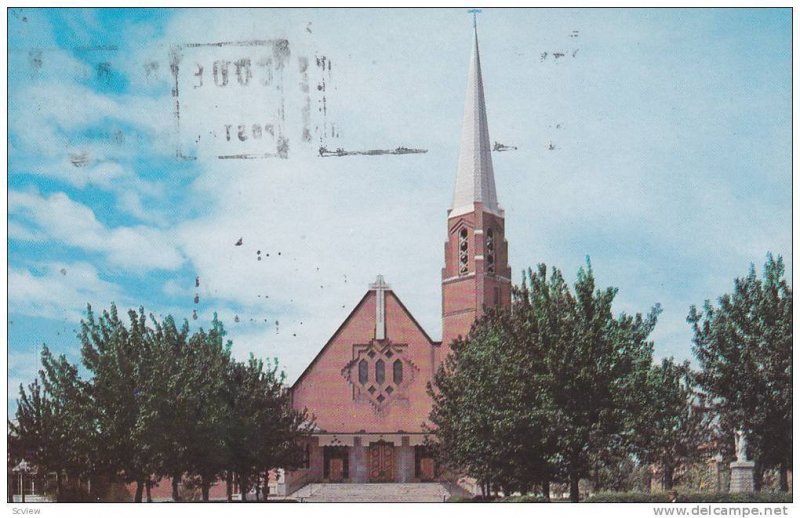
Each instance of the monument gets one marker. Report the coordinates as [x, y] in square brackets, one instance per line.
[741, 468]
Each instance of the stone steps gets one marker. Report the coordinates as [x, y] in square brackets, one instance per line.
[373, 492]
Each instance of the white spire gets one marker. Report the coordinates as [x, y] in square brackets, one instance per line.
[475, 177]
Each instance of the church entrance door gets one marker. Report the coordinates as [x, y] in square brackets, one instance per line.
[335, 463]
[336, 470]
[381, 462]
[426, 469]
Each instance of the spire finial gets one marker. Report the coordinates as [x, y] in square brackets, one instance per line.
[474, 13]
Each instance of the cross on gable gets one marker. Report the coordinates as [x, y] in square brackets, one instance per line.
[380, 288]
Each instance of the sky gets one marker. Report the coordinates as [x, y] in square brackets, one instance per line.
[144, 143]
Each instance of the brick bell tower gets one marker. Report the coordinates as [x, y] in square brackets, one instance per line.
[476, 274]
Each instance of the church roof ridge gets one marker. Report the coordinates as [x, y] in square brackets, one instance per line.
[475, 176]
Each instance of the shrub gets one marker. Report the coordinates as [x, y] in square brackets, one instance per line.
[614, 498]
[525, 499]
[620, 498]
[459, 499]
[519, 499]
[737, 497]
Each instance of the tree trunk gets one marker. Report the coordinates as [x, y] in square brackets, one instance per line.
[758, 477]
[266, 486]
[205, 484]
[667, 478]
[258, 486]
[546, 488]
[596, 479]
[243, 487]
[139, 489]
[175, 481]
[784, 477]
[229, 485]
[574, 494]
[147, 487]
[59, 487]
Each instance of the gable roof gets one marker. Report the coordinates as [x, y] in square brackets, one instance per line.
[347, 320]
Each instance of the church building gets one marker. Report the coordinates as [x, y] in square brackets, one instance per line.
[367, 386]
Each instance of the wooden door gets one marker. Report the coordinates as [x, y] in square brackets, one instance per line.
[336, 468]
[426, 471]
[381, 462]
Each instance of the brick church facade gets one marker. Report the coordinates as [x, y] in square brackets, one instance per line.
[367, 385]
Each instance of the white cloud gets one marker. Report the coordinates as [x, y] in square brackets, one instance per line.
[60, 292]
[63, 220]
[639, 179]
[61, 128]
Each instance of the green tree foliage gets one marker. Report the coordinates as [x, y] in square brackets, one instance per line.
[120, 359]
[598, 364]
[158, 402]
[671, 423]
[544, 389]
[48, 431]
[490, 421]
[170, 401]
[744, 347]
[262, 429]
[207, 425]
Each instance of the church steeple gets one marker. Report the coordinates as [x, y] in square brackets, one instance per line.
[475, 177]
[476, 274]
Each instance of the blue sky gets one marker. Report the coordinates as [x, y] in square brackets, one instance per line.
[670, 167]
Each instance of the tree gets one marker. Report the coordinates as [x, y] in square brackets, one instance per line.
[545, 389]
[744, 348]
[597, 364]
[49, 430]
[263, 429]
[120, 359]
[159, 402]
[280, 427]
[489, 420]
[242, 437]
[207, 412]
[170, 400]
[671, 425]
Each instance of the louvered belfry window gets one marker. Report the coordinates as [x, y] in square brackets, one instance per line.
[490, 251]
[463, 251]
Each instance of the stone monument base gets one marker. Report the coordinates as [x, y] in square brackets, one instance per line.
[742, 476]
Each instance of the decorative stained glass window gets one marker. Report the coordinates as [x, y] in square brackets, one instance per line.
[380, 372]
[397, 372]
[363, 371]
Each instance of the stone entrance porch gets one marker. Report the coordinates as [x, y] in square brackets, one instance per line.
[363, 458]
[378, 492]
